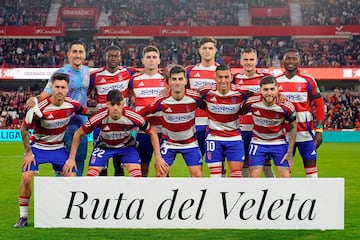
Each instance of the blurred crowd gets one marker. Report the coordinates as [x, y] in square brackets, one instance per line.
[182, 51]
[181, 12]
[342, 108]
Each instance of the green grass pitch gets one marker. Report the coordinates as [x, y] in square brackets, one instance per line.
[335, 160]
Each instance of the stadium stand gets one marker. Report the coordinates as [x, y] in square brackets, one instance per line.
[182, 51]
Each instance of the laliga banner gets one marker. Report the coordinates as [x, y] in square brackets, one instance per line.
[124, 202]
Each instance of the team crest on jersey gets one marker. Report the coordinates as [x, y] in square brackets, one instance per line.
[93, 159]
[141, 84]
[209, 156]
[162, 83]
[197, 74]
[102, 80]
[68, 113]
[298, 87]
[120, 77]
[187, 108]
[233, 99]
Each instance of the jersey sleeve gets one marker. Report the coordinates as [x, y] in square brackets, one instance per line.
[315, 98]
[289, 109]
[137, 119]
[94, 121]
[78, 108]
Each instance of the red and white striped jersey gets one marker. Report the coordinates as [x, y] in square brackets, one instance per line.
[301, 90]
[177, 117]
[269, 121]
[115, 133]
[251, 84]
[198, 76]
[103, 81]
[49, 130]
[145, 89]
[223, 112]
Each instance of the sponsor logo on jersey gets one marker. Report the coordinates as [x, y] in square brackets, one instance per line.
[114, 135]
[106, 88]
[200, 83]
[179, 118]
[223, 109]
[296, 97]
[265, 122]
[150, 92]
[56, 124]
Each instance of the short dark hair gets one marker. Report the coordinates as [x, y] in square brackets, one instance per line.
[293, 50]
[206, 40]
[249, 50]
[268, 80]
[150, 48]
[223, 67]
[76, 42]
[114, 96]
[177, 69]
[60, 76]
[112, 47]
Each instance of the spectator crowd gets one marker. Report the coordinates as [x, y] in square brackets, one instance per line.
[182, 51]
[180, 12]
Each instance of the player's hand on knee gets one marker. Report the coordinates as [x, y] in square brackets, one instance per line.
[69, 165]
[29, 158]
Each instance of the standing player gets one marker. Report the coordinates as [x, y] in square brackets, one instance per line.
[249, 79]
[302, 90]
[178, 122]
[78, 87]
[145, 87]
[223, 140]
[46, 144]
[269, 137]
[203, 74]
[115, 138]
[107, 78]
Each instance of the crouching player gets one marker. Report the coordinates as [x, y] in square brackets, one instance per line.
[115, 123]
[269, 136]
[46, 144]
